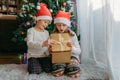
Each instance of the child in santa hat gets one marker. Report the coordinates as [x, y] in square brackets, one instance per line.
[38, 42]
[62, 24]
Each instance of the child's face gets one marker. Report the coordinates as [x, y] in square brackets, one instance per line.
[42, 24]
[61, 27]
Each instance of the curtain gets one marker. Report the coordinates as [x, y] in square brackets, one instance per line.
[99, 27]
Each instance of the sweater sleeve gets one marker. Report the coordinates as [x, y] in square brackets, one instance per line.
[30, 40]
[76, 47]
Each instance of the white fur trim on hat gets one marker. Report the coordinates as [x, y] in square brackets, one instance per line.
[43, 18]
[62, 20]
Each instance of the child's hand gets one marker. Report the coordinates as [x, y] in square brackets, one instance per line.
[69, 44]
[48, 42]
[51, 41]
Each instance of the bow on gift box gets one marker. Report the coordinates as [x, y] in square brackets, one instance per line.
[62, 42]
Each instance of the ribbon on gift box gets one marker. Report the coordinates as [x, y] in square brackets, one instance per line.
[61, 41]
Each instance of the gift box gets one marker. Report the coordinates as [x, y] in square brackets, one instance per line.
[61, 53]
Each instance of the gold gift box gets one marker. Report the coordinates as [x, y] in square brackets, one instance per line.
[61, 53]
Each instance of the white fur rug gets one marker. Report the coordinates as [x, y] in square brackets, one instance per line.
[19, 72]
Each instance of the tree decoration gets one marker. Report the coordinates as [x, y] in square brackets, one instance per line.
[64, 4]
[38, 5]
[20, 57]
[27, 23]
[51, 10]
[57, 3]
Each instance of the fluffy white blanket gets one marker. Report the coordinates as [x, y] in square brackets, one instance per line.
[19, 72]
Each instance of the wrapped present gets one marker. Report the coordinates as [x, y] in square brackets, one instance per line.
[61, 57]
[61, 53]
[61, 42]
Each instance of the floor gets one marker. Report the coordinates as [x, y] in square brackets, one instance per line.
[19, 72]
[12, 69]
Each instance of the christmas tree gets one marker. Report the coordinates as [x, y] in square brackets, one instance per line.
[27, 14]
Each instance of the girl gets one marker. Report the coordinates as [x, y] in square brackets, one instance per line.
[38, 42]
[62, 24]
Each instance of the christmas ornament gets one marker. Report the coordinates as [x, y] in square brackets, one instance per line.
[23, 8]
[64, 4]
[73, 23]
[22, 33]
[30, 7]
[57, 3]
[31, 15]
[31, 4]
[27, 23]
[25, 58]
[20, 14]
[54, 6]
[34, 17]
[51, 10]
[20, 58]
[38, 6]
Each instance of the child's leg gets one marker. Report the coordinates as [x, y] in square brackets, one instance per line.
[46, 64]
[73, 68]
[34, 67]
[58, 69]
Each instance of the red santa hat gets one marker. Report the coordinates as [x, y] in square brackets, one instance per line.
[62, 17]
[43, 13]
